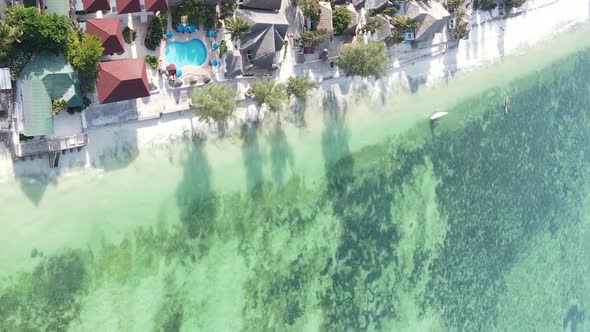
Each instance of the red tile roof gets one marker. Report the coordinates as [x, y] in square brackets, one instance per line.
[128, 6]
[108, 30]
[122, 80]
[156, 5]
[91, 6]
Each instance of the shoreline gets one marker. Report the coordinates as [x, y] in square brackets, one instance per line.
[490, 42]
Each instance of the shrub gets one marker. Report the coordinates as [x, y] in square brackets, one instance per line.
[152, 61]
[156, 31]
[129, 35]
[341, 19]
[222, 47]
[227, 10]
[364, 59]
[372, 24]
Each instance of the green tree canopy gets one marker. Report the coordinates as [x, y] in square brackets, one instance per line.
[237, 27]
[40, 31]
[314, 38]
[214, 102]
[269, 93]
[485, 4]
[300, 86]
[364, 60]
[341, 19]
[372, 24]
[514, 3]
[310, 9]
[155, 32]
[9, 35]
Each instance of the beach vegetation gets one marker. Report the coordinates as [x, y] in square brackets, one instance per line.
[129, 35]
[341, 19]
[314, 38]
[9, 35]
[152, 61]
[155, 32]
[310, 9]
[364, 60]
[372, 24]
[299, 87]
[214, 102]
[237, 27]
[196, 13]
[266, 92]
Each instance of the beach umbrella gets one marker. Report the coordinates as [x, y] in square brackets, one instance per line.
[180, 28]
[169, 34]
[215, 62]
[171, 69]
[211, 33]
[178, 72]
[215, 46]
[193, 28]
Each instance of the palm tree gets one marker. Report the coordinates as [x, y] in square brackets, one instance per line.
[237, 27]
[460, 14]
[404, 23]
[59, 105]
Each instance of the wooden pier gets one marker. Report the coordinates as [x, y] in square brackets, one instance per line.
[51, 146]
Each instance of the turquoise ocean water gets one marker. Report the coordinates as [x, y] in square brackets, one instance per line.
[480, 223]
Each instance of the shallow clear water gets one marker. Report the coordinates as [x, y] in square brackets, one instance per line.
[356, 220]
[190, 53]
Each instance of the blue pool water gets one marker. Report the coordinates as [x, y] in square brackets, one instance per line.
[192, 52]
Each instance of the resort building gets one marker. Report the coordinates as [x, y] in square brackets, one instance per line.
[433, 19]
[91, 6]
[47, 77]
[122, 80]
[272, 5]
[260, 48]
[109, 31]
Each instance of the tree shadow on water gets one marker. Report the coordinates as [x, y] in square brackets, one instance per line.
[252, 157]
[338, 160]
[281, 155]
[196, 198]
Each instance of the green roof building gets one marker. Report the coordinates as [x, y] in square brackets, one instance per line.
[59, 7]
[45, 78]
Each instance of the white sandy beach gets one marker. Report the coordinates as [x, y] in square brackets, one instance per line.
[490, 41]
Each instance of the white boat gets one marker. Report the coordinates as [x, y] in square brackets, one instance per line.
[506, 104]
[437, 115]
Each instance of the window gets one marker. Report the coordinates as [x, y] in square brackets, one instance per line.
[409, 36]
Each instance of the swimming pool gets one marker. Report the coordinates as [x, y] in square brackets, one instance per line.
[190, 53]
